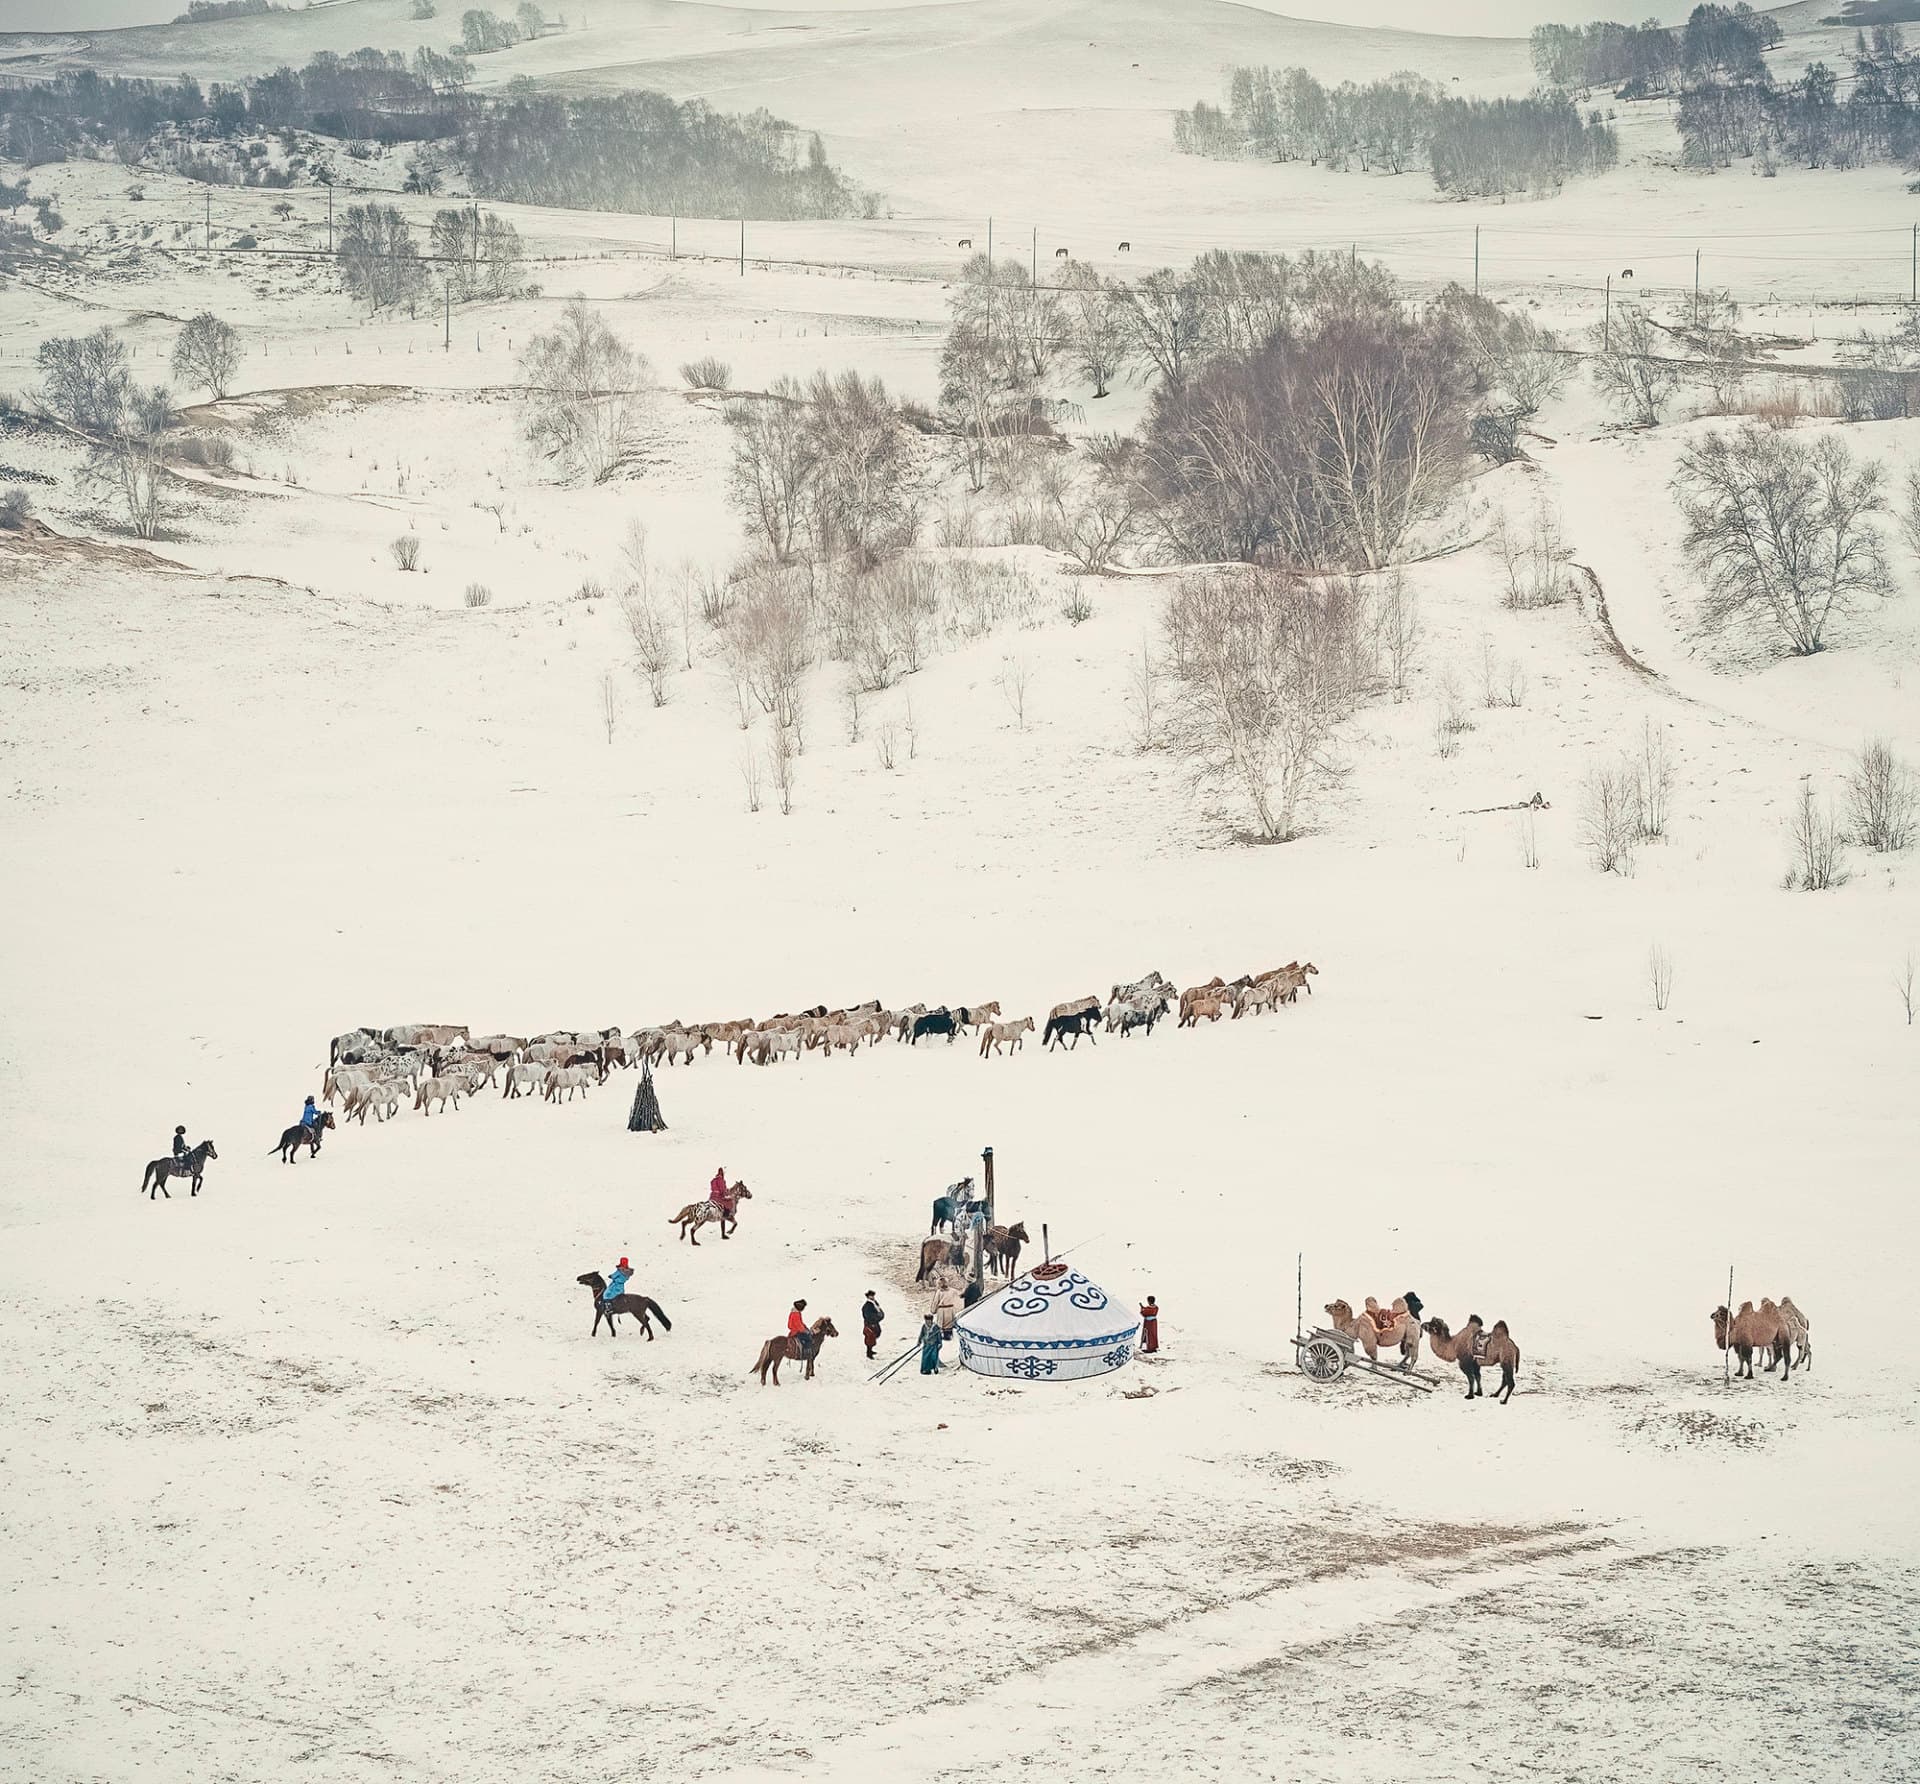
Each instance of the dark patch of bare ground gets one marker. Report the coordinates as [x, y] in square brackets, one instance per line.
[1683, 1664]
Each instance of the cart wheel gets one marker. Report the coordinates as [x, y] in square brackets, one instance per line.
[1321, 1359]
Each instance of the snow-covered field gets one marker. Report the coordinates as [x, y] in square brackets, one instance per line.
[318, 1474]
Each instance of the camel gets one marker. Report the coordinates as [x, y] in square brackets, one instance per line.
[1400, 1329]
[1800, 1330]
[1750, 1331]
[1477, 1348]
[640, 1306]
[784, 1349]
[695, 1215]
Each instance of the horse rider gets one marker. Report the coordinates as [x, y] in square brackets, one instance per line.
[797, 1330]
[717, 1189]
[180, 1146]
[310, 1116]
[617, 1283]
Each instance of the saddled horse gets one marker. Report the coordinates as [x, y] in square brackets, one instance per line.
[695, 1215]
[298, 1135]
[194, 1165]
[793, 1348]
[640, 1306]
[949, 1207]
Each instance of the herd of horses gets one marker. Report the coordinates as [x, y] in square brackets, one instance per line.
[433, 1066]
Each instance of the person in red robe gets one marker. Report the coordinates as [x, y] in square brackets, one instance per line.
[1150, 1325]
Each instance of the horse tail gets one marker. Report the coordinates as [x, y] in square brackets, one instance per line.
[148, 1175]
[658, 1312]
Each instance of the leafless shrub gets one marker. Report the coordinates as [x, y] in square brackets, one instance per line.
[478, 594]
[911, 726]
[1634, 367]
[707, 373]
[750, 776]
[1446, 734]
[583, 395]
[885, 744]
[713, 593]
[1513, 684]
[1910, 510]
[1651, 767]
[781, 762]
[406, 551]
[768, 640]
[1533, 556]
[213, 452]
[1883, 803]
[1903, 981]
[1781, 530]
[1818, 860]
[1529, 839]
[1609, 817]
[1659, 975]
[1143, 700]
[652, 639]
[1096, 513]
[1266, 665]
[851, 710]
[609, 703]
[1453, 708]
[1077, 609]
[15, 506]
[1396, 617]
[1014, 679]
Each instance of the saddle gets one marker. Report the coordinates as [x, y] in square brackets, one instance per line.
[1384, 1320]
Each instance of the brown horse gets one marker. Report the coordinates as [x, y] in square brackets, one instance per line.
[695, 1215]
[1003, 1244]
[297, 1136]
[786, 1349]
[193, 1165]
[1475, 1349]
[935, 1252]
[639, 1306]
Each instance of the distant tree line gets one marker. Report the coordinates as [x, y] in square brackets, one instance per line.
[205, 12]
[624, 151]
[1717, 43]
[1472, 147]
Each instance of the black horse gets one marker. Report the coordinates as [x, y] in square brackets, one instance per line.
[194, 1165]
[298, 1135]
[1081, 1022]
[938, 1021]
[638, 1305]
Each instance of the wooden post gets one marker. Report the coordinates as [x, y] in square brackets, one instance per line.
[673, 239]
[209, 219]
[1299, 1296]
[1696, 288]
[1913, 286]
[1476, 260]
[446, 344]
[329, 217]
[743, 247]
[1606, 324]
[1033, 260]
[989, 244]
[979, 1235]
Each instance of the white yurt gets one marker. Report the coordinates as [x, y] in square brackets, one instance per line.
[1052, 1324]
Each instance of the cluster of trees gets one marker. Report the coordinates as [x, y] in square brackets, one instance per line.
[482, 31]
[1717, 43]
[1471, 147]
[1808, 120]
[206, 12]
[583, 395]
[472, 254]
[627, 151]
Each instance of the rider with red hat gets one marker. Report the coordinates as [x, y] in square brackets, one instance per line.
[616, 1284]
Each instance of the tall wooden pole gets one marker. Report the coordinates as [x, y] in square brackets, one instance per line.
[446, 344]
[1476, 260]
[743, 247]
[329, 219]
[1033, 260]
[209, 219]
[1696, 288]
[1726, 1359]
[989, 244]
[673, 239]
[1606, 325]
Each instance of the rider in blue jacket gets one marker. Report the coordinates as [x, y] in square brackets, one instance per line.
[309, 1116]
[617, 1283]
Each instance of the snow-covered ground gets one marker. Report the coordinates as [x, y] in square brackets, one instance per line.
[318, 1474]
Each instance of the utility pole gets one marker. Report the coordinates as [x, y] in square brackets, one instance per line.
[1913, 293]
[1606, 325]
[1696, 288]
[743, 247]
[446, 344]
[329, 217]
[209, 219]
[1476, 260]
[1033, 260]
[673, 239]
[989, 244]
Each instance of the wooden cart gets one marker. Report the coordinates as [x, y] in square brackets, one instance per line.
[1325, 1355]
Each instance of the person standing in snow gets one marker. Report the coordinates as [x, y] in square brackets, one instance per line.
[1150, 1326]
[870, 1317]
[617, 1283]
[931, 1338]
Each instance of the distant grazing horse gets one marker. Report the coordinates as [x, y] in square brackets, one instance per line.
[792, 1348]
[297, 1136]
[194, 1165]
[1627, 273]
[1124, 248]
[640, 1306]
[695, 1215]
[966, 241]
[1063, 253]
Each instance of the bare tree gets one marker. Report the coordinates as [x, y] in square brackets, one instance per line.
[781, 754]
[609, 703]
[1659, 975]
[1652, 770]
[850, 706]
[865, 487]
[378, 259]
[1143, 700]
[769, 642]
[1882, 799]
[1781, 530]
[1819, 862]
[1630, 369]
[583, 395]
[1096, 513]
[207, 353]
[1529, 839]
[1903, 980]
[652, 641]
[1608, 817]
[885, 745]
[774, 459]
[1396, 609]
[1267, 664]
[911, 726]
[1015, 678]
[1910, 510]
[1162, 320]
[405, 551]
[750, 776]
[1096, 326]
[85, 380]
